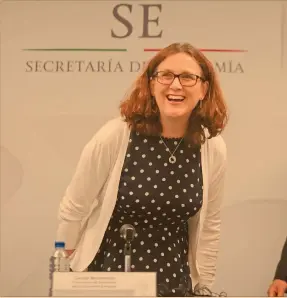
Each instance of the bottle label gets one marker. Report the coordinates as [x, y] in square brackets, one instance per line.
[60, 265]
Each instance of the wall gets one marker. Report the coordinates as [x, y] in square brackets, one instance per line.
[48, 115]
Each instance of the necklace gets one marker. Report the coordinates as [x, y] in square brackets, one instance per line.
[172, 158]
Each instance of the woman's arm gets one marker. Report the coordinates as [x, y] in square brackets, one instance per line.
[82, 194]
[210, 234]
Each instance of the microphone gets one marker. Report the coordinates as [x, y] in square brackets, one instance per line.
[128, 232]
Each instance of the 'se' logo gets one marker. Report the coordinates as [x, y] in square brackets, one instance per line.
[146, 20]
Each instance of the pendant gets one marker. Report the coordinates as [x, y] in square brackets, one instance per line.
[172, 159]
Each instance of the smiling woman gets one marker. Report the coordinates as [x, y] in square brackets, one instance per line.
[178, 94]
[160, 168]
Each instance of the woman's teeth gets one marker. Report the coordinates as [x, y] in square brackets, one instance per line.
[175, 98]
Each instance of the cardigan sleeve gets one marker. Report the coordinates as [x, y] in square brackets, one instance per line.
[82, 194]
[281, 271]
[210, 233]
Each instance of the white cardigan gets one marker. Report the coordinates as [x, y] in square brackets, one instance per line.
[88, 204]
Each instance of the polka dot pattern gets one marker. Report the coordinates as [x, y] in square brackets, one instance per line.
[157, 198]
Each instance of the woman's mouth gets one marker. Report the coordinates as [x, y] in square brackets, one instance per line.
[175, 98]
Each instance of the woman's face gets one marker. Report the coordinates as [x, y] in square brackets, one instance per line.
[176, 98]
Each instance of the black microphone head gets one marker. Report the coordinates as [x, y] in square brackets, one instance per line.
[128, 232]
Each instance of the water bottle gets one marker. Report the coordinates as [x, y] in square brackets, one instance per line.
[59, 262]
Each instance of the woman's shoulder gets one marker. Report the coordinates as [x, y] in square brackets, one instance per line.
[112, 133]
[112, 128]
[218, 145]
[216, 148]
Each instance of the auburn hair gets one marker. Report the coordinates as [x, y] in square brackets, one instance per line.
[141, 112]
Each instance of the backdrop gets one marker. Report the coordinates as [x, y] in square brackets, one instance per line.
[65, 66]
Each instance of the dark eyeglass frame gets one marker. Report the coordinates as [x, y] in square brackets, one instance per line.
[179, 76]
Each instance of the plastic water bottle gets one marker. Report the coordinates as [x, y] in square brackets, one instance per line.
[59, 262]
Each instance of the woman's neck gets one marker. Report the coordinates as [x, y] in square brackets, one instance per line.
[174, 128]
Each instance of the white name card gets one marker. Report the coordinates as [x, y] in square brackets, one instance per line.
[103, 284]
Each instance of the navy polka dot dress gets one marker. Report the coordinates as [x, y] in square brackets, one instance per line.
[157, 198]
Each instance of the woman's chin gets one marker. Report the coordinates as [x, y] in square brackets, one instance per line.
[174, 114]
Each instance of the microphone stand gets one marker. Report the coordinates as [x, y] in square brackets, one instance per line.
[128, 256]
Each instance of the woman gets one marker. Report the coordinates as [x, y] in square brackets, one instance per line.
[160, 167]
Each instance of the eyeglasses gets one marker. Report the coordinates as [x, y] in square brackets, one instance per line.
[185, 79]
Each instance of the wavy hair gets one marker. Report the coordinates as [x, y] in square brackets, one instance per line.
[141, 112]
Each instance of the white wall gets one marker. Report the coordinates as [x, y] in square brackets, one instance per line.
[47, 117]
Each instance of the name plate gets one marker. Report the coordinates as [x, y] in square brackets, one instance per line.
[103, 284]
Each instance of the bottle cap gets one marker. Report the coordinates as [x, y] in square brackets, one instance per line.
[59, 244]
